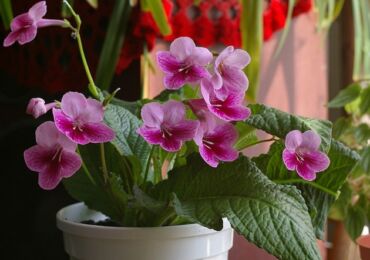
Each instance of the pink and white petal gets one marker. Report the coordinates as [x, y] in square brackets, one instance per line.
[27, 35]
[182, 48]
[208, 156]
[20, 22]
[151, 135]
[316, 160]
[225, 153]
[10, 39]
[173, 112]
[98, 133]
[290, 160]
[293, 139]
[234, 80]
[66, 143]
[37, 157]
[94, 111]
[216, 80]
[225, 134]
[305, 172]
[171, 144]
[310, 140]
[47, 134]
[38, 10]
[223, 55]
[185, 130]
[167, 62]
[63, 123]
[152, 114]
[49, 178]
[201, 56]
[73, 104]
[174, 81]
[196, 73]
[70, 163]
[235, 113]
[238, 58]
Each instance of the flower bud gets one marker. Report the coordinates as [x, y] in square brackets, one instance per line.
[36, 107]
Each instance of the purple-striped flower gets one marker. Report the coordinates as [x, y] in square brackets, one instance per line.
[54, 156]
[229, 109]
[166, 125]
[302, 154]
[24, 26]
[80, 119]
[229, 77]
[216, 144]
[184, 63]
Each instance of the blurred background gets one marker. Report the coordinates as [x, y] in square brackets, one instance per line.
[304, 53]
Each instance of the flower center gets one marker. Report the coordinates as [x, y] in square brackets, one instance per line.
[58, 154]
[207, 143]
[299, 156]
[185, 68]
[77, 125]
[166, 133]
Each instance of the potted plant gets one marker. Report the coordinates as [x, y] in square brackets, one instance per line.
[166, 176]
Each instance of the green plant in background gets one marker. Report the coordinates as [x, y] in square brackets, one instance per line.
[353, 205]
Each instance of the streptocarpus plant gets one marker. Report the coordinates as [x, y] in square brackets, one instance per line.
[177, 160]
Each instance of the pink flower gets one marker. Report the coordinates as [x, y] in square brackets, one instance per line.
[80, 119]
[302, 154]
[229, 109]
[184, 63]
[54, 156]
[217, 144]
[24, 26]
[229, 77]
[36, 107]
[165, 124]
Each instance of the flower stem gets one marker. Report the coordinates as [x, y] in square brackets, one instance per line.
[259, 142]
[314, 184]
[86, 170]
[103, 163]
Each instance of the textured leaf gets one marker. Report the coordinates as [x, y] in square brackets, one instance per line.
[362, 133]
[340, 127]
[279, 123]
[365, 159]
[273, 217]
[247, 136]
[365, 101]
[346, 96]
[88, 184]
[319, 194]
[127, 141]
[355, 221]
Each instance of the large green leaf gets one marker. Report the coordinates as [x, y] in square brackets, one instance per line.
[319, 194]
[88, 184]
[355, 221]
[346, 96]
[273, 217]
[127, 141]
[279, 123]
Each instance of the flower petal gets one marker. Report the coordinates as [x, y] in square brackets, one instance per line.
[310, 140]
[201, 56]
[94, 111]
[69, 164]
[235, 113]
[27, 35]
[224, 134]
[20, 22]
[174, 81]
[182, 48]
[317, 161]
[167, 62]
[73, 104]
[37, 11]
[152, 114]
[208, 156]
[37, 158]
[173, 112]
[171, 144]
[290, 160]
[10, 39]
[49, 179]
[151, 135]
[185, 130]
[306, 172]
[293, 139]
[47, 134]
[98, 133]
[238, 58]
[226, 154]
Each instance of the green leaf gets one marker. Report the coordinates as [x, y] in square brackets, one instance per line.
[346, 96]
[247, 136]
[251, 28]
[362, 133]
[93, 3]
[355, 221]
[319, 194]
[159, 14]
[273, 217]
[6, 13]
[127, 141]
[279, 123]
[340, 127]
[112, 44]
[365, 101]
[88, 184]
[365, 159]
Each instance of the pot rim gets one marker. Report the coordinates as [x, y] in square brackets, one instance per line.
[66, 223]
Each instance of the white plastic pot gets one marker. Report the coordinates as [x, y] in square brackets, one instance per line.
[185, 242]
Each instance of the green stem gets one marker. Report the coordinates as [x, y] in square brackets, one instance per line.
[168, 214]
[314, 184]
[103, 163]
[148, 164]
[86, 170]
[259, 142]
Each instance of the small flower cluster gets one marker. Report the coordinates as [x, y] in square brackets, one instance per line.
[222, 89]
[77, 120]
